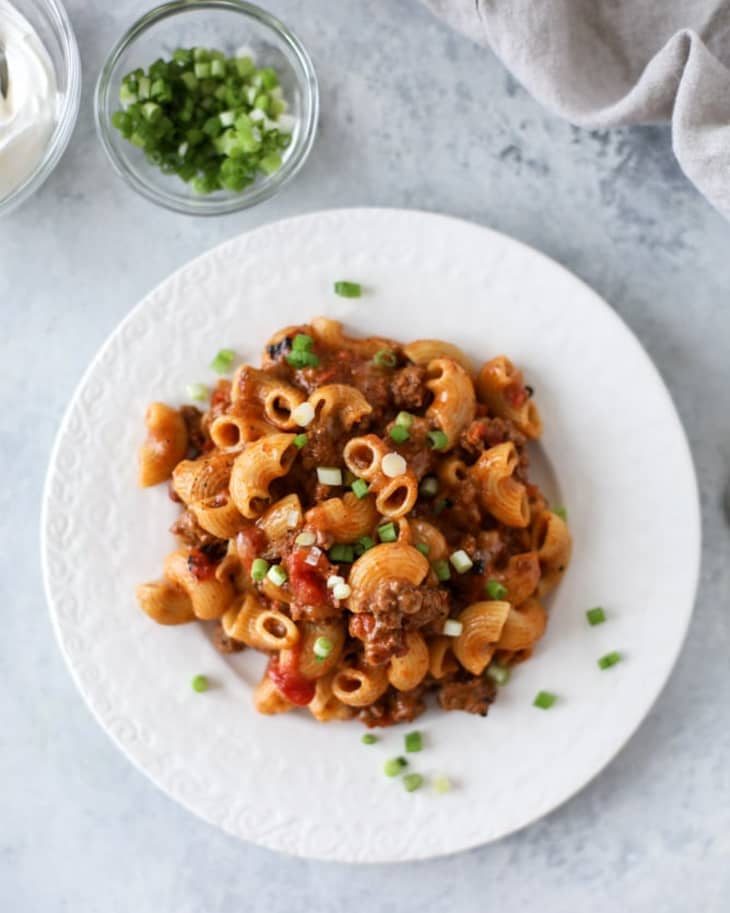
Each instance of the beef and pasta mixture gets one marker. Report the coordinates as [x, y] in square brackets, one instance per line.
[360, 511]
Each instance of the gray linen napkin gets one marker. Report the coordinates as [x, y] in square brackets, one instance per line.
[601, 63]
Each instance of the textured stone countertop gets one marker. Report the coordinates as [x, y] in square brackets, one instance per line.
[413, 115]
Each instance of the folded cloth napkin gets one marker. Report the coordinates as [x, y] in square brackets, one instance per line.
[601, 63]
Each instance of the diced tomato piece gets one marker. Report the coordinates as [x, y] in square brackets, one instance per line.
[308, 583]
[516, 395]
[289, 680]
[250, 543]
[203, 561]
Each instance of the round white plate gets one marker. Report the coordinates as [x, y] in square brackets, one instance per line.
[616, 457]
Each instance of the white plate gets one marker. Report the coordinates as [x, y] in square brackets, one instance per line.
[616, 449]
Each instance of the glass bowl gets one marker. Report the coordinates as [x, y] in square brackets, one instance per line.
[49, 19]
[225, 25]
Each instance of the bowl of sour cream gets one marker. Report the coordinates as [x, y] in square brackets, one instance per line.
[40, 89]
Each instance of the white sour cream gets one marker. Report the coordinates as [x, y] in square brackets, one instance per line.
[28, 114]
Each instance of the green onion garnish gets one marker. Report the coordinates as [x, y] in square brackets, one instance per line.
[341, 552]
[495, 590]
[423, 548]
[561, 512]
[393, 766]
[329, 475]
[360, 488]
[300, 440]
[441, 569]
[429, 487]
[596, 616]
[498, 673]
[412, 782]
[369, 739]
[441, 505]
[364, 544]
[387, 532]
[348, 289]
[259, 569]
[302, 343]
[200, 683]
[300, 359]
[221, 364]
[544, 700]
[460, 561]
[197, 391]
[405, 419]
[399, 434]
[442, 785]
[385, 358]
[306, 539]
[322, 647]
[277, 575]
[413, 741]
[437, 440]
[610, 659]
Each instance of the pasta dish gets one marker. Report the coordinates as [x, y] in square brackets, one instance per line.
[360, 511]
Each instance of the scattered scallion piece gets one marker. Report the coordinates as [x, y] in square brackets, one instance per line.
[369, 739]
[387, 532]
[452, 627]
[300, 440]
[322, 647]
[441, 505]
[363, 544]
[405, 419]
[299, 359]
[460, 561]
[222, 362]
[303, 414]
[329, 475]
[429, 487]
[544, 700]
[259, 569]
[360, 488]
[412, 782]
[334, 581]
[610, 659]
[393, 766]
[302, 343]
[498, 673]
[385, 358]
[595, 616]
[442, 785]
[342, 591]
[306, 538]
[495, 589]
[348, 289]
[423, 548]
[413, 741]
[197, 391]
[437, 440]
[200, 683]
[561, 512]
[399, 433]
[277, 575]
[441, 569]
[341, 553]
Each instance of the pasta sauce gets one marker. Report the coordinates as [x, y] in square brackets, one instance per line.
[360, 510]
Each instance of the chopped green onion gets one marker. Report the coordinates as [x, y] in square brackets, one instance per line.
[460, 561]
[369, 739]
[405, 419]
[222, 362]
[610, 659]
[364, 544]
[423, 548]
[437, 439]
[200, 683]
[302, 343]
[360, 488]
[300, 440]
[441, 505]
[197, 391]
[300, 359]
[596, 616]
[495, 590]
[277, 575]
[322, 647]
[305, 539]
[270, 163]
[303, 414]
[342, 591]
[561, 512]
[387, 532]
[429, 487]
[441, 569]
[452, 628]
[334, 581]
[393, 766]
[258, 569]
[412, 782]
[413, 741]
[341, 553]
[348, 289]
[329, 475]
[498, 673]
[393, 465]
[385, 358]
[399, 434]
[544, 700]
[442, 785]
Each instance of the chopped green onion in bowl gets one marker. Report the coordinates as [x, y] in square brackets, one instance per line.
[348, 289]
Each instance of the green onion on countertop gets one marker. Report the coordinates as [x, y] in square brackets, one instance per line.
[216, 122]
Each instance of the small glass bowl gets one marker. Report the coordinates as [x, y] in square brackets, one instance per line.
[49, 19]
[225, 25]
